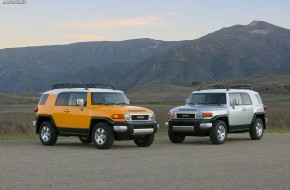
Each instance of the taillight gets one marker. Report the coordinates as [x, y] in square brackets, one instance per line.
[265, 107]
[35, 109]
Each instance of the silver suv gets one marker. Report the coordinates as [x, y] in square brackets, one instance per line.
[216, 112]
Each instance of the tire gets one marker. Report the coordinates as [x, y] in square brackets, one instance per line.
[257, 129]
[85, 139]
[218, 132]
[144, 141]
[175, 138]
[103, 136]
[47, 133]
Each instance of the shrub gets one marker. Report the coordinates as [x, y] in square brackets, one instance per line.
[195, 83]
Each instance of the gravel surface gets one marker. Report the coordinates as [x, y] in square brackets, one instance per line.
[240, 163]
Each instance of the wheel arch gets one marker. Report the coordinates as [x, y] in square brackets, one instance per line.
[43, 118]
[223, 118]
[260, 116]
[96, 120]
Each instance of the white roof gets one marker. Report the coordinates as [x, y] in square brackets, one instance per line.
[224, 90]
[57, 91]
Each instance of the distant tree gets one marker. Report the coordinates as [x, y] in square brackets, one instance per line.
[194, 83]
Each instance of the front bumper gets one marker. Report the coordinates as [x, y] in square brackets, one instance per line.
[189, 126]
[127, 129]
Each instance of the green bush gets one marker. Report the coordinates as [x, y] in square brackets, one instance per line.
[195, 83]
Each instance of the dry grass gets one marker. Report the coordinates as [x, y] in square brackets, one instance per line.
[16, 111]
[16, 124]
[278, 118]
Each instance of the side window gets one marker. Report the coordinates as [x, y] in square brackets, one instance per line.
[43, 99]
[234, 96]
[246, 99]
[259, 99]
[62, 99]
[97, 98]
[77, 95]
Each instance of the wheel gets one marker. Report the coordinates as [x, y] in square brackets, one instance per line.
[47, 133]
[85, 139]
[103, 136]
[144, 141]
[175, 138]
[257, 129]
[218, 132]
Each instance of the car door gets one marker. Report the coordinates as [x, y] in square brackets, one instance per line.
[240, 115]
[67, 114]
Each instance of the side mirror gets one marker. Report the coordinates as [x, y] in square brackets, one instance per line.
[81, 103]
[129, 101]
[186, 101]
[235, 103]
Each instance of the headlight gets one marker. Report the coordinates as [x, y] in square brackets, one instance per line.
[198, 115]
[152, 117]
[171, 115]
[127, 117]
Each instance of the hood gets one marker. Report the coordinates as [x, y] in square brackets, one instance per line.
[199, 108]
[123, 109]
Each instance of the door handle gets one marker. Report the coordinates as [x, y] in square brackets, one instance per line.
[244, 109]
[66, 111]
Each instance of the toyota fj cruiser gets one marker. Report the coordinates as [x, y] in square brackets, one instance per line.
[93, 114]
[216, 112]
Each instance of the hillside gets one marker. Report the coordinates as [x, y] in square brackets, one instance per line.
[271, 89]
[37, 68]
[256, 49]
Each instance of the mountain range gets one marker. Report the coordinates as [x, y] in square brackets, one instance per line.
[256, 49]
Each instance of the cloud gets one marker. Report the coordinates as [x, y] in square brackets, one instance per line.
[86, 37]
[115, 23]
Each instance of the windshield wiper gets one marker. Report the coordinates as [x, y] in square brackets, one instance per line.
[117, 104]
[99, 103]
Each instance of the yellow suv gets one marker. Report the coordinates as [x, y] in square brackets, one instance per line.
[94, 114]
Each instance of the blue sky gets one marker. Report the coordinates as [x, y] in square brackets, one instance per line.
[51, 22]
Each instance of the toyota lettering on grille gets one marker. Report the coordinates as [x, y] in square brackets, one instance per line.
[140, 117]
[185, 116]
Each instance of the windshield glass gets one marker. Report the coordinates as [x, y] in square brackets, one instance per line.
[206, 98]
[109, 98]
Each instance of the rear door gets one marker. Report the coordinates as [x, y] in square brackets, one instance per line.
[67, 114]
[241, 115]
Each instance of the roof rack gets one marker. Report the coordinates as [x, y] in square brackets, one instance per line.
[86, 86]
[241, 86]
[237, 86]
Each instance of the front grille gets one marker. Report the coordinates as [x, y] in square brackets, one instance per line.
[185, 116]
[140, 117]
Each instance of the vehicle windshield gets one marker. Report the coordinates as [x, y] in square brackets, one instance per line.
[206, 98]
[108, 98]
